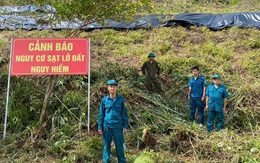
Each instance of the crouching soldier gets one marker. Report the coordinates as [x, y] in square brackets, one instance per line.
[151, 70]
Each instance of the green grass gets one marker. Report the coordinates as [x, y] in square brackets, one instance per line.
[205, 6]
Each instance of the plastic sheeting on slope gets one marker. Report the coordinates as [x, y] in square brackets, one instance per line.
[12, 22]
[220, 21]
[212, 21]
[25, 8]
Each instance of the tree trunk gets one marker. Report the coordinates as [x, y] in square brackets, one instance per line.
[49, 89]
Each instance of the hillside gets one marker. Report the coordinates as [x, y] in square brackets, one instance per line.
[159, 127]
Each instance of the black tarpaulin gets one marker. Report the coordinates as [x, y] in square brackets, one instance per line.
[26, 8]
[220, 21]
[10, 20]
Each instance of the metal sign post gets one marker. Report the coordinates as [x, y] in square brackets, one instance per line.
[89, 86]
[8, 91]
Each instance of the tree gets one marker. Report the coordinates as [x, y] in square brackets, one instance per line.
[88, 11]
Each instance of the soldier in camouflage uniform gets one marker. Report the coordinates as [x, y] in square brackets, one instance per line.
[151, 70]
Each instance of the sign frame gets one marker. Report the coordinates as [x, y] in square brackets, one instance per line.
[10, 73]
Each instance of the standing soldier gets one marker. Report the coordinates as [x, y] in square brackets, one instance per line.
[196, 95]
[113, 122]
[151, 70]
[216, 102]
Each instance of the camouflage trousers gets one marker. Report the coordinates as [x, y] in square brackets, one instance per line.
[153, 84]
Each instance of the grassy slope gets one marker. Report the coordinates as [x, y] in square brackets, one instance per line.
[233, 53]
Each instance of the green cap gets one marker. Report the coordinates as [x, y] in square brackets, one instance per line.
[216, 76]
[112, 82]
[151, 55]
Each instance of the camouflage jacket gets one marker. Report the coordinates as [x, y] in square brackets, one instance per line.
[151, 69]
